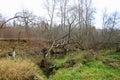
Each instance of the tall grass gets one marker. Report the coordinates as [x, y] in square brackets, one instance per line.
[17, 70]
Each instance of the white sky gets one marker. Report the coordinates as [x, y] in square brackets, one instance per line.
[9, 7]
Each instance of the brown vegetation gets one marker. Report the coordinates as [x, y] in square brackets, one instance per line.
[17, 70]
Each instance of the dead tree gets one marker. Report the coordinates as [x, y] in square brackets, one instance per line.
[56, 48]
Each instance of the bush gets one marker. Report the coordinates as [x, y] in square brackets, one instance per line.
[118, 48]
[17, 70]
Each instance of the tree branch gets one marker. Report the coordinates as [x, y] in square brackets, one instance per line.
[9, 20]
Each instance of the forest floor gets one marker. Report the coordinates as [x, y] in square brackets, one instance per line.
[77, 65]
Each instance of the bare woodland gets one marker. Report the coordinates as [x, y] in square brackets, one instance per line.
[70, 26]
[65, 44]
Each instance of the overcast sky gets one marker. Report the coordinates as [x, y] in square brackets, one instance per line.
[9, 7]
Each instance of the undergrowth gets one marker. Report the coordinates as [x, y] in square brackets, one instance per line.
[89, 68]
[78, 65]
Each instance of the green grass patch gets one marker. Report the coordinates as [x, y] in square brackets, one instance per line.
[58, 62]
[114, 56]
[66, 74]
[93, 73]
[94, 70]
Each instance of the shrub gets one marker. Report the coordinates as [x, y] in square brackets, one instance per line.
[118, 48]
[17, 70]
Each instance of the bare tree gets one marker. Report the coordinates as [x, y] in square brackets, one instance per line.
[71, 19]
[109, 24]
[85, 16]
[50, 6]
[64, 11]
[27, 21]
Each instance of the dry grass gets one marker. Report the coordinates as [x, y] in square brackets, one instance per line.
[17, 70]
[22, 49]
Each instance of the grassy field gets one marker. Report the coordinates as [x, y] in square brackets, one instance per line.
[78, 65]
